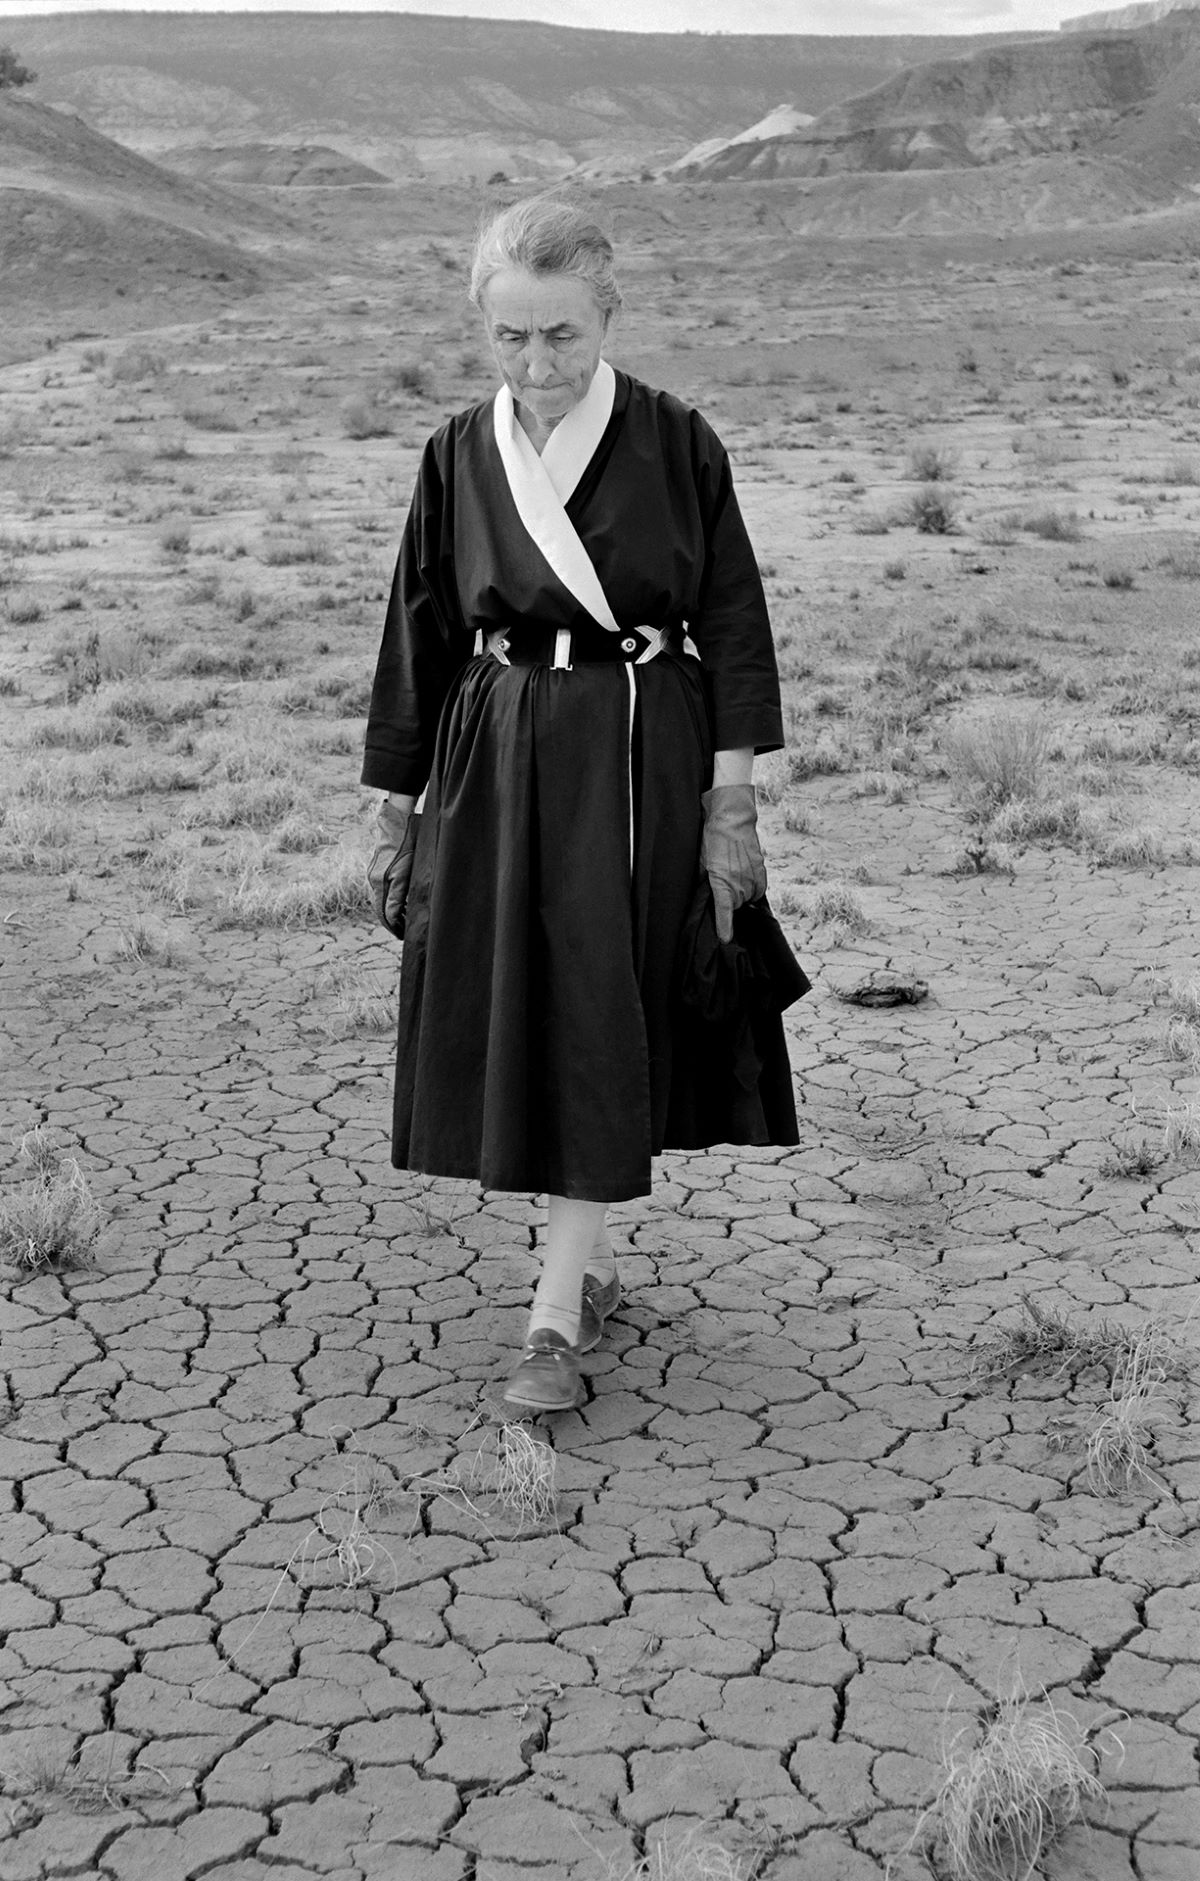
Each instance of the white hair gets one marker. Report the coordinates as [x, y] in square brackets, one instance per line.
[546, 235]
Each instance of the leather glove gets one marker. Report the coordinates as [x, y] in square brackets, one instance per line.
[729, 851]
[390, 869]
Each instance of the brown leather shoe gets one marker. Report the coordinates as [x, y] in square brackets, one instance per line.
[600, 1299]
[547, 1378]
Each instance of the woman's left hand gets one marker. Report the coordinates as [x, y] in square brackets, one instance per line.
[729, 851]
[390, 868]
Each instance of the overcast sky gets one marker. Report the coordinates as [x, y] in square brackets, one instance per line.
[734, 16]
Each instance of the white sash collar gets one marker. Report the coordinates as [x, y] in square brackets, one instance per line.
[541, 485]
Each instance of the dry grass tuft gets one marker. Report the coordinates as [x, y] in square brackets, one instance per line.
[512, 1473]
[1181, 1041]
[145, 943]
[88, 1789]
[1181, 996]
[1116, 1443]
[1181, 1128]
[52, 1220]
[36, 837]
[837, 905]
[519, 1477]
[1132, 1158]
[1002, 1804]
[1047, 1340]
[365, 1000]
[341, 1540]
[336, 891]
[693, 1856]
[996, 757]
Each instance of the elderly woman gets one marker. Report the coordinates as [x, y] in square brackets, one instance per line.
[581, 771]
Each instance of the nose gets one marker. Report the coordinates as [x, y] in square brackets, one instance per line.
[539, 361]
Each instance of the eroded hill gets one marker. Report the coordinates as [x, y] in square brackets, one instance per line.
[444, 97]
[1122, 95]
[85, 221]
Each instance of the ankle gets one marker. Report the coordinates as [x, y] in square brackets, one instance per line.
[601, 1263]
[560, 1319]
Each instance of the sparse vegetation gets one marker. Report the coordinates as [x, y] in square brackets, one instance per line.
[50, 1220]
[1054, 525]
[1132, 1158]
[931, 511]
[1049, 1341]
[334, 891]
[1005, 1801]
[1118, 1440]
[931, 463]
[691, 1854]
[996, 757]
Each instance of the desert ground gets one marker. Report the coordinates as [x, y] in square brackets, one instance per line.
[893, 1435]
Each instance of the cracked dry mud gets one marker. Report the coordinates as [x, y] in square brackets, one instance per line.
[799, 1546]
[800, 1543]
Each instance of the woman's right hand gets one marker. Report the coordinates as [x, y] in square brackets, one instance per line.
[390, 869]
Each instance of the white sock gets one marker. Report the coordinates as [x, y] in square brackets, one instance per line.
[602, 1262]
[572, 1231]
[563, 1319]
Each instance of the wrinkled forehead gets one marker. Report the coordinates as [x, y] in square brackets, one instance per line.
[538, 302]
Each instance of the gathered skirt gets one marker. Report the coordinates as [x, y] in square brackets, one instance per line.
[542, 1046]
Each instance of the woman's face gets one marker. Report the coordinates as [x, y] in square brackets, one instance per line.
[546, 332]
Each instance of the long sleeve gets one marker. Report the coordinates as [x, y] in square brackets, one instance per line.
[732, 628]
[425, 640]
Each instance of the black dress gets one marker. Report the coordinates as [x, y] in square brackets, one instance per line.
[542, 1045]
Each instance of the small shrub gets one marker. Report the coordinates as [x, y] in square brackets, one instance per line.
[1053, 525]
[175, 540]
[931, 511]
[14, 434]
[895, 571]
[136, 364]
[24, 611]
[211, 417]
[1118, 578]
[1183, 562]
[930, 463]
[981, 855]
[364, 417]
[413, 376]
[1180, 470]
[291, 551]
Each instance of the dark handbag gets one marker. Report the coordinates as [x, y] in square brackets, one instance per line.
[734, 994]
